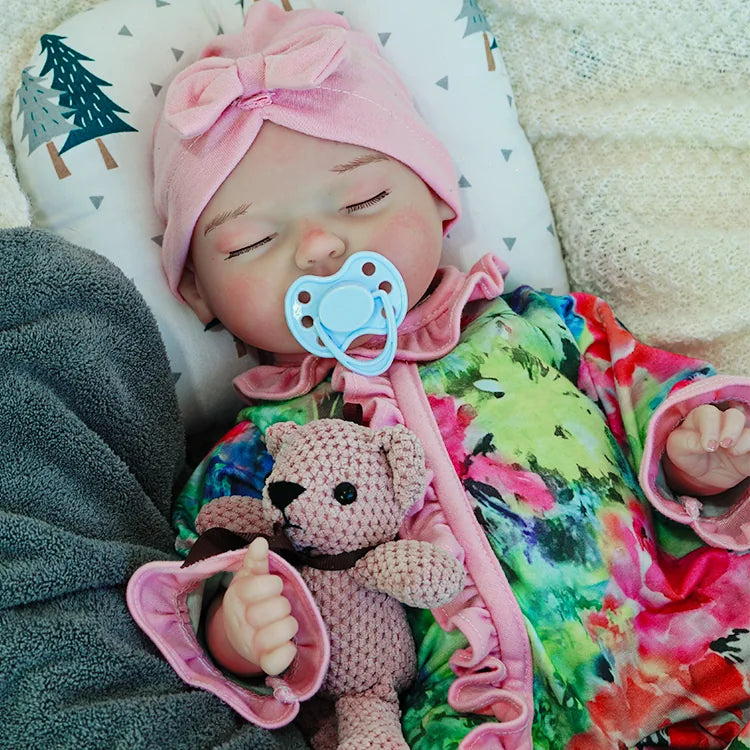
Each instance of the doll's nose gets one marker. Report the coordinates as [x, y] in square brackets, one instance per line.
[283, 494]
[320, 251]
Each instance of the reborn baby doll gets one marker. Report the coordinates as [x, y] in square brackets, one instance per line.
[291, 163]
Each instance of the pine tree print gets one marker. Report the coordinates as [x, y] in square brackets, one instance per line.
[475, 21]
[93, 111]
[42, 119]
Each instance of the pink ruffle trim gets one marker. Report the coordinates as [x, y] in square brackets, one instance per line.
[429, 331]
[494, 671]
[481, 674]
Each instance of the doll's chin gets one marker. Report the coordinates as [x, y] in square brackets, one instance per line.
[295, 351]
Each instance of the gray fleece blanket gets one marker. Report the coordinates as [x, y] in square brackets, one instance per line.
[91, 446]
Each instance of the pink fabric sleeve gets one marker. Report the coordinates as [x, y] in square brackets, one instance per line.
[157, 598]
[730, 530]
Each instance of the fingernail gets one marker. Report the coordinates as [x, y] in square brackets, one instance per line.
[726, 442]
[712, 445]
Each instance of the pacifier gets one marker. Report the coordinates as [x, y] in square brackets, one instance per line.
[365, 296]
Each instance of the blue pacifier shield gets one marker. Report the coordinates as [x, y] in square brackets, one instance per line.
[345, 307]
[366, 296]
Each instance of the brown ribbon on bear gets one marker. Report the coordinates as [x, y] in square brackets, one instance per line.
[217, 540]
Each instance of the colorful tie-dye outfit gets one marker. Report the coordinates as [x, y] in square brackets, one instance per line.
[588, 620]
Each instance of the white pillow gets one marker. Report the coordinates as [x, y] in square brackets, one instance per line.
[96, 191]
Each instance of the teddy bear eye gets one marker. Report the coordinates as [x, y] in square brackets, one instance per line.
[345, 493]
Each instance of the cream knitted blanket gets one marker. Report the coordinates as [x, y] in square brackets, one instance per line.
[639, 114]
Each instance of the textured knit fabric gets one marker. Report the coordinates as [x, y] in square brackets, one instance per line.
[416, 573]
[633, 632]
[91, 444]
[639, 116]
[361, 712]
[243, 516]
[332, 465]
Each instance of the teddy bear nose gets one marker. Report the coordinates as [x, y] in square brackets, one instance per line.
[284, 493]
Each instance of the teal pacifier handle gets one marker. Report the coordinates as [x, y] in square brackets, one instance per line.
[365, 296]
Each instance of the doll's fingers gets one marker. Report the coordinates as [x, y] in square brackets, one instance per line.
[682, 443]
[270, 610]
[706, 419]
[742, 444]
[699, 414]
[732, 425]
[279, 659]
[274, 635]
[256, 557]
[739, 405]
[253, 589]
[264, 587]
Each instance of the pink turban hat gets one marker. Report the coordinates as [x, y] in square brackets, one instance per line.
[305, 70]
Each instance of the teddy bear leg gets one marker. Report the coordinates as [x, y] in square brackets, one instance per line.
[325, 738]
[367, 722]
[317, 721]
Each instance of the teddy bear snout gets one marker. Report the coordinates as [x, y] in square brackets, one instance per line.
[283, 493]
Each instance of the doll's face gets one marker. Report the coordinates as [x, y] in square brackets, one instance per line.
[297, 205]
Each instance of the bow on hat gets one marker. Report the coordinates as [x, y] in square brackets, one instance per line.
[201, 92]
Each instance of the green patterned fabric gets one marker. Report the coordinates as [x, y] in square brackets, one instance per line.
[639, 634]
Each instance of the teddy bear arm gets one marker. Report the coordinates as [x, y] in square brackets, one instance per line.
[419, 574]
[242, 515]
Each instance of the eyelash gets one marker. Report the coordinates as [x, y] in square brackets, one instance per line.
[366, 204]
[246, 249]
[349, 210]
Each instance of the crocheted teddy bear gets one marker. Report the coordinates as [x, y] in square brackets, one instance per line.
[339, 492]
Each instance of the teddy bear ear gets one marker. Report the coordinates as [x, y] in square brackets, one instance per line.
[277, 434]
[406, 457]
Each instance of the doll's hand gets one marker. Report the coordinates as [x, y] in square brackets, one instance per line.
[255, 619]
[709, 452]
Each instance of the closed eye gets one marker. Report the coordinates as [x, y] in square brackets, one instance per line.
[248, 248]
[366, 204]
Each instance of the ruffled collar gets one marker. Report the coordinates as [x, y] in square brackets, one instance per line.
[429, 331]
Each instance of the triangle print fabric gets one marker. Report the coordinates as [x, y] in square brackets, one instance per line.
[87, 102]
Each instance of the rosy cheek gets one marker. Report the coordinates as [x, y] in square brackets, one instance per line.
[404, 229]
[235, 293]
[414, 243]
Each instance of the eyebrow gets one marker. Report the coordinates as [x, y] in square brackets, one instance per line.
[225, 216]
[358, 161]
